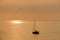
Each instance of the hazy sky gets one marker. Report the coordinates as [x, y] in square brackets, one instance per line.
[46, 12]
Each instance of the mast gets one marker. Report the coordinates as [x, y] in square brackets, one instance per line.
[34, 25]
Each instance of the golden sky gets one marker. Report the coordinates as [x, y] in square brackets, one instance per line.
[46, 12]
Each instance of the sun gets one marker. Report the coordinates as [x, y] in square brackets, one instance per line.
[16, 21]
